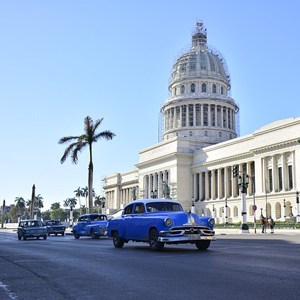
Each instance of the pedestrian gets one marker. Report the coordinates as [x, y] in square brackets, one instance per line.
[272, 224]
[262, 224]
[265, 224]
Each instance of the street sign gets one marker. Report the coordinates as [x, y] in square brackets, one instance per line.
[254, 207]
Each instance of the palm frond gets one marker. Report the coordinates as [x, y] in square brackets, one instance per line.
[97, 123]
[79, 147]
[67, 152]
[107, 134]
[67, 139]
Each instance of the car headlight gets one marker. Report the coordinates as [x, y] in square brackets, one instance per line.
[100, 226]
[168, 221]
[211, 222]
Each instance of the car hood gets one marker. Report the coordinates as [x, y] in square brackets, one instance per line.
[179, 218]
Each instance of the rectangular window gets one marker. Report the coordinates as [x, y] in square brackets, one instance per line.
[191, 115]
[290, 169]
[280, 179]
[177, 117]
[183, 116]
[270, 180]
[198, 115]
[205, 115]
[224, 117]
[213, 115]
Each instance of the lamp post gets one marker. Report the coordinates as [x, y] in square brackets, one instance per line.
[266, 197]
[297, 203]
[214, 215]
[102, 199]
[154, 194]
[261, 212]
[226, 212]
[284, 210]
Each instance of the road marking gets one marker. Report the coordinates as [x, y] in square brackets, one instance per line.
[7, 291]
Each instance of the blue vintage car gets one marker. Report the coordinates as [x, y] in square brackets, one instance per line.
[160, 222]
[93, 225]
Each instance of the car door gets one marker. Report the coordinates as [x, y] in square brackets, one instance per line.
[127, 220]
[137, 222]
[82, 223]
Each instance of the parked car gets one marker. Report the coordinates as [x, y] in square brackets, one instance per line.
[55, 227]
[93, 225]
[159, 222]
[31, 228]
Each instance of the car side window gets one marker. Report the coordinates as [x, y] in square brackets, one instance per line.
[128, 210]
[139, 209]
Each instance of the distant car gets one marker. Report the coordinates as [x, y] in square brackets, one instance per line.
[160, 222]
[55, 227]
[31, 228]
[93, 225]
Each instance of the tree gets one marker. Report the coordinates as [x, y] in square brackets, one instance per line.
[20, 204]
[39, 201]
[55, 205]
[78, 143]
[46, 215]
[79, 193]
[58, 214]
[85, 193]
[70, 202]
[98, 202]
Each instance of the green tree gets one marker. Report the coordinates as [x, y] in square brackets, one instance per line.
[58, 214]
[13, 214]
[55, 205]
[83, 209]
[78, 143]
[98, 202]
[79, 193]
[20, 204]
[46, 215]
[85, 193]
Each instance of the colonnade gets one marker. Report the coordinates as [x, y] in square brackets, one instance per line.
[199, 115]
[153, 184]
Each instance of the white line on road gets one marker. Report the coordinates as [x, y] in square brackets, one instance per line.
[7, 291]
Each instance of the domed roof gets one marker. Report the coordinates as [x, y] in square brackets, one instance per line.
[201, 60]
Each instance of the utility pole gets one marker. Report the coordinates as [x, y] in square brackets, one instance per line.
[3, 213]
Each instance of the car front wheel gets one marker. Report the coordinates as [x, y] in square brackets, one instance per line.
[76, 235]
[155, 245]
[19, 237]
[118, 242]
[93, 235]
[202, 245]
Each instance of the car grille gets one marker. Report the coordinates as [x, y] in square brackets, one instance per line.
[35, 231]
[193, 230]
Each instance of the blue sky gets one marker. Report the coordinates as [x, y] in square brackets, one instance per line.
[63, 60]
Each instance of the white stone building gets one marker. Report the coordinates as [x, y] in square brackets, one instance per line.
[193, 163]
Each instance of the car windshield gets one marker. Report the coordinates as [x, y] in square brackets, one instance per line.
[98, 218]
[163, 206]
[53, 223]
[32, 224]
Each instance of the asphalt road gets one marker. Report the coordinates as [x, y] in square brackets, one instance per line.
[234, 267]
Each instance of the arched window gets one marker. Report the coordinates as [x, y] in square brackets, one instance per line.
[182, 89]
[214, 88]
[203, 88]
[222, 90]
[193, 88]
[175, 91]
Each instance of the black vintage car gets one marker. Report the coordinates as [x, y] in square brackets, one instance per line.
[55, 227]
[31, 228]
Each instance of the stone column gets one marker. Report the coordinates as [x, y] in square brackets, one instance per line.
[195, 186]
[194, 115]
[284, 172]
[213, 184]
[209, 115]
[222, 116]
[216, 115]
[220, 183]
[206, 185]
[201, 115]
[226, 182]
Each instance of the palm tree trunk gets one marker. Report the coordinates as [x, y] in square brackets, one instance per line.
[90, 183]
[79, 205]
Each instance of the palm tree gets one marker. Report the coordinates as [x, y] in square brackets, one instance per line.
[78, 193]
[72, 203]
[55, 205]
[87, 139]
[85, 193]
[98, 202]
[39, 201]
[20, 204]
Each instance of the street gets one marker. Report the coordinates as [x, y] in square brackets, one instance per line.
[234, 267]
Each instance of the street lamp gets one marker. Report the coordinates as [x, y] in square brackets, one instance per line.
[102, 201]
[261, 212]
[226, 212]
[284, 210]
[297, 203]
[154, 194]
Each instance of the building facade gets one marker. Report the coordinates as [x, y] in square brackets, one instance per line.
[194, 162]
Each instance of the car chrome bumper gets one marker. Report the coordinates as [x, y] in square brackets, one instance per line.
[186, 238]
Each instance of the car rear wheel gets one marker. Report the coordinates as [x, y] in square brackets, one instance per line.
[118, 242]
[76, 235]
[155, 245]
[202, 245]
[19, 237]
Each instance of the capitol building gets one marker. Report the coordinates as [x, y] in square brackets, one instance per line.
[200, 145]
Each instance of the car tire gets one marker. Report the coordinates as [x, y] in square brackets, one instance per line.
[48, 234]
[24, 238]
[19, 237]
[93, 235]
[45, 237]
[37, 237]
[63, 234]
[118, 242]
[155, 245]
[76, 236]
[202, 245]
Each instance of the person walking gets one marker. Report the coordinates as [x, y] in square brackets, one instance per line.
[265, 224]
[262, 224]
[272, 224]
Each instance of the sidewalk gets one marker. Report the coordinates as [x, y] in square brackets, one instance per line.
[258, 232]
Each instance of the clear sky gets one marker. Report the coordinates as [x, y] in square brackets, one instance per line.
[62, 60]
